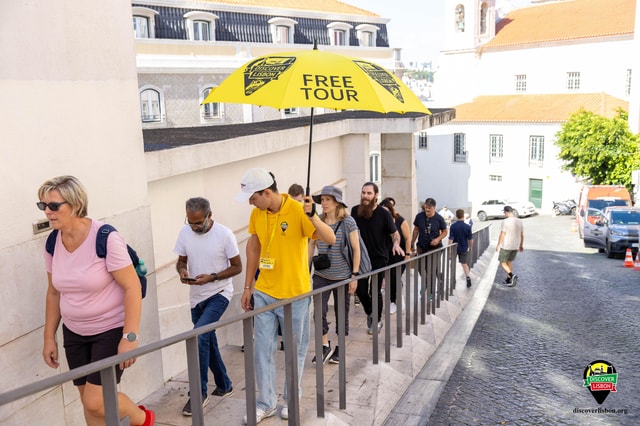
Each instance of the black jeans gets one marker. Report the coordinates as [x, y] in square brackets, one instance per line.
[363, 291]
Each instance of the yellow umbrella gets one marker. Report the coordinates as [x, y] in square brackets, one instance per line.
[316, 79]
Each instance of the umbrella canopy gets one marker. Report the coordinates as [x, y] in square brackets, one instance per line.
[316, 79]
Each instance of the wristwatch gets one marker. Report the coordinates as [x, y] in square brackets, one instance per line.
[130, 337]
[215, 276]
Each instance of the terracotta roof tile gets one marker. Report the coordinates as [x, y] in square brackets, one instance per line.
[536, 108]
[332, 6]
[566, 20]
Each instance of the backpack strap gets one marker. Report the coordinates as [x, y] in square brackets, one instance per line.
[50, 245]
[101, 239]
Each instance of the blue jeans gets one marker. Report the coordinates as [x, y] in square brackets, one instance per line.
[266, 341]
[207, 312]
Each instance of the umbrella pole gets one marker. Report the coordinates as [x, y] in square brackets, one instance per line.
[308, 189]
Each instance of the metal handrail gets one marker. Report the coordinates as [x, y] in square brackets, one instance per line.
[425, 282]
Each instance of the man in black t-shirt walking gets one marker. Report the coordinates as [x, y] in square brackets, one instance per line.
[376, 226]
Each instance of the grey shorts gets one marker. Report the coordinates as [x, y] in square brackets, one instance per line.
[462, 257]
[507, 255]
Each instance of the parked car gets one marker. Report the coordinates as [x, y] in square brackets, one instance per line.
[494, 208]
[615, 230]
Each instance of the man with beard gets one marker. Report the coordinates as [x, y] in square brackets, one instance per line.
[376, 226]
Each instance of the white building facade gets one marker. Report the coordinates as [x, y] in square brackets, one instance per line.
[569, 52]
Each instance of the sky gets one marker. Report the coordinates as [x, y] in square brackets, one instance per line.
[417, 25]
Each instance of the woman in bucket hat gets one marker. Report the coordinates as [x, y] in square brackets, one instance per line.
[335, 214]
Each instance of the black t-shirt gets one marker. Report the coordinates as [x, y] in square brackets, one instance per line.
[375, 234]
[429, 229]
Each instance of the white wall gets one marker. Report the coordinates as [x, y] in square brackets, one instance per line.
[69, 106]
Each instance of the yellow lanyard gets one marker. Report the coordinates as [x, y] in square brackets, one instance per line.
[275, 225]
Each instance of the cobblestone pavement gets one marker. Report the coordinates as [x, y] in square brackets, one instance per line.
[525, 359]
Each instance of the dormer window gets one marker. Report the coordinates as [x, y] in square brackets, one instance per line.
[339, 33]
[144, 22]
[282, 30]
[201, 26]
[367, 35]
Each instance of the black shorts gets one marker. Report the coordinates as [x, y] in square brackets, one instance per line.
[82, 350]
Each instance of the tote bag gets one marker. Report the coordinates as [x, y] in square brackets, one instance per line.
[365, 261]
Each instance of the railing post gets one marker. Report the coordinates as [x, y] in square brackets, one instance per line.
[399, 296]
[387, 315]
[110, 397]
[195, 392]
[249, 370]
[342, 368]
[374, 315]
[291, 362]
[317, 322]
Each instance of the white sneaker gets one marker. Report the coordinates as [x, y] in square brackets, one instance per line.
[261, 415]
[393, 308]
[284, 413]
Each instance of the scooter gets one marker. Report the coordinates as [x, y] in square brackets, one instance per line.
[567, 207]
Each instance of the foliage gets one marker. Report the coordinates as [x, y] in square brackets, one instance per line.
[600, 149]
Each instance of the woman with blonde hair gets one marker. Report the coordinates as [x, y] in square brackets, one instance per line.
[334, 214]
[98, 299]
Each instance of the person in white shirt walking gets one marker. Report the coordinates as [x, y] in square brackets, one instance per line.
[510, 242]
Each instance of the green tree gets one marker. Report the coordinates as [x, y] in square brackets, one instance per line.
[600, 149]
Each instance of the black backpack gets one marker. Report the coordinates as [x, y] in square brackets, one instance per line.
[101, 251]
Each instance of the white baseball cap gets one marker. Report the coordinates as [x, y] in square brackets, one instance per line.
[254, 180]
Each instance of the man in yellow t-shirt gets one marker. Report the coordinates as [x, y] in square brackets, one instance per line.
[279, 228]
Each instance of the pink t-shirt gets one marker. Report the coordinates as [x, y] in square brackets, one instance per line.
[91, 301]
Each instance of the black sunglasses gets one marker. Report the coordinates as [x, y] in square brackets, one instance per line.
[53, 206]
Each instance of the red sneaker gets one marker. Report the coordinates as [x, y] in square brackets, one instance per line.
[150, 418]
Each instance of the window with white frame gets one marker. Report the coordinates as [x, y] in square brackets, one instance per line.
[495, 149]
[201, 26]
[483, 18]
[495, 178]
[573, 80]
[459, 148]
[339, 33]
[627, 87]
[282, 30]
[521, 82]
[536, 151]
[291, 111]
[144, 22]
[459, 18]
[367, 34]
[151, 109]
[374, 167]
[210, 110]
[423, 141]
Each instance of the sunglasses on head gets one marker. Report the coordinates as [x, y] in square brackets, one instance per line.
[53, 206]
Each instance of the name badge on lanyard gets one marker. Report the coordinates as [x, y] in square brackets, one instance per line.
[267, 263]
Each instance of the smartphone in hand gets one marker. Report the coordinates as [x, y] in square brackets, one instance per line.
[189, 280]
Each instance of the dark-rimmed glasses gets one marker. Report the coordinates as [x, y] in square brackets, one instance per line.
[54, 206]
